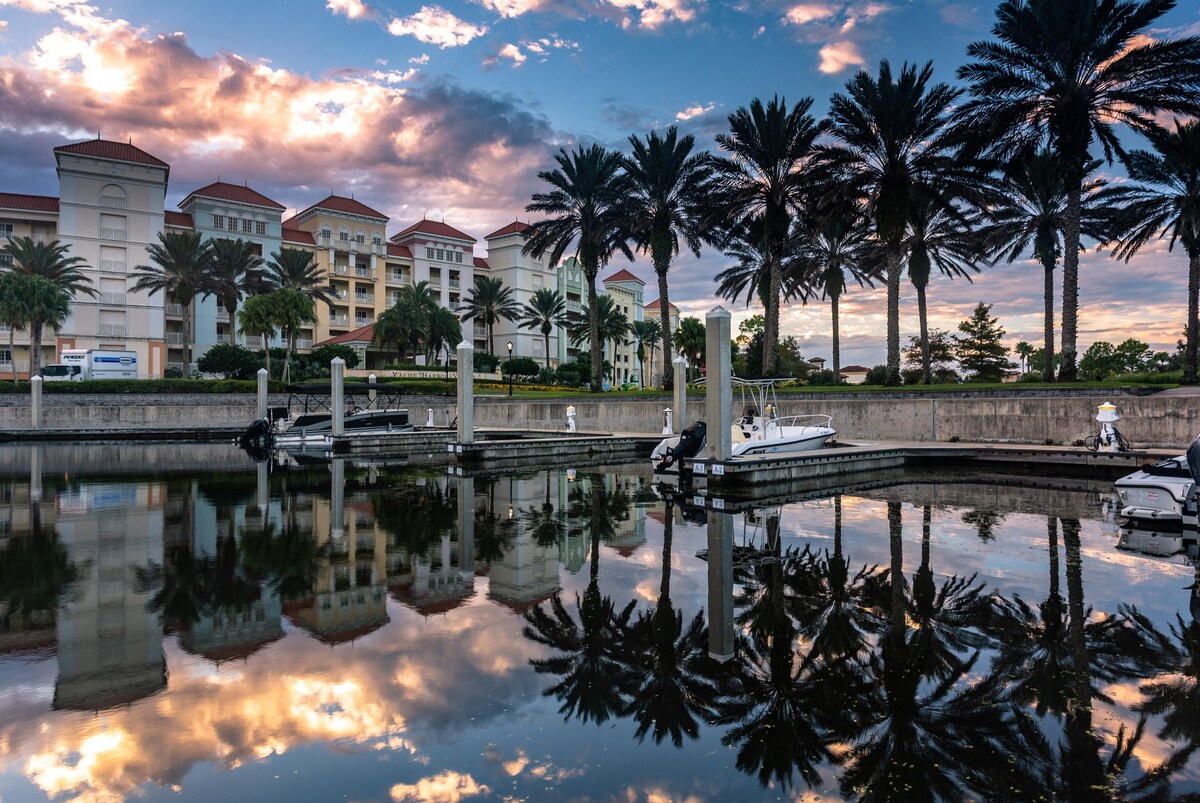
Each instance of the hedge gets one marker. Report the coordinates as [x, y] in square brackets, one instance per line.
[164, 386]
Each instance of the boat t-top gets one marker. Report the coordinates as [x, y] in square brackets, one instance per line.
[370, 409]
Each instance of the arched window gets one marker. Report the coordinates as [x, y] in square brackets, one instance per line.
[112, 196]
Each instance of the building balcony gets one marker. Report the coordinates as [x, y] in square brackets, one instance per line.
[339, 320]
[112, 299]
[364, 320]
[364, 273]
[253, 341]
[173, 310]
[398, 278]
[364, 298]
[302, 343]
[225, 339]
[454, 284]
[174, 338]
[222, 315]
[112, 234]
[111, 330]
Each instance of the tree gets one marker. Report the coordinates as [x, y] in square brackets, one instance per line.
[1068, 71]
[587, 203]
[765, 179]
[236, 272]
[401, 325]
[980, 352]
[668, 203]
[231, 360]
[940, 350]
[490, 301]
[896, 151]
[16, 307]
[258, 316]
[609, 324]
[1028, 216]
[296, 269]
[443, 332]
[1165, 203]
[48, 260]
[690, 340]
[1103, 360]
[646, 334]
[183, 265]
[1024, 350]
[545, 310]
[294, 308]
[751, 273]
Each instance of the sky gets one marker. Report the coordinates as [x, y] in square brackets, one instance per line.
[448, 109]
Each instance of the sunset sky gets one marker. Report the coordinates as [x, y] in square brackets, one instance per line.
[449, 109]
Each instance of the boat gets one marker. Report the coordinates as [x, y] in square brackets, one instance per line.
[371, 409]
[1151, 542]
[1163, 493]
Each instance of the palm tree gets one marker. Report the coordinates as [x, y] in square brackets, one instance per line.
[1069, 71]
[183, 265]
[1028, 216]
[490, 301]
[293, 309]
[403, 324]
[1024, 350]
[610, 324]
[588, 206]
[443, 332]
[16, 309]
[765, 177]
[545, 310]
[50, 261]
[690, 340]
[751, 272]
[670, 186]
[896, 151]
[1165, 203]
[645, 334]
[236, 272]
[297, 269]
[49, 305]
[258, 316]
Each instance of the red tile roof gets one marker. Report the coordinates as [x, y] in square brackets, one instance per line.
[855, 369]
[338, 203]
[436, 229]
[117, 151]
[652, 305]
[516, 227]
[622, 276]
[481, 263]
[298, 236]
[394, 250]
[31, 203]
[233, 192]
[363, 334]
[179, 220]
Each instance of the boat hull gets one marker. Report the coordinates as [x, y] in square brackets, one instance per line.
[1159, 494]
[790, 440]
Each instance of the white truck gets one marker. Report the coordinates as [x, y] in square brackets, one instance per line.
[77, 365]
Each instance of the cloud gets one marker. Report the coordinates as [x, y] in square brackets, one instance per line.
[511, 52]
[837, 56]
[434, 25]
[649, 15]
[3, 24]
[809, 12]
[447, 786]
[695, 111]
[421, 59]
[354, 9]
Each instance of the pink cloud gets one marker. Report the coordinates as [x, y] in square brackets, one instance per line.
[837, 56]
[434, 25]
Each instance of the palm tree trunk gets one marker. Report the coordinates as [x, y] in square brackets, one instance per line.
[664, 587]
[1048, 324]
[11, 338]
[896, 545]
[1084, 771]
[837, 341]
[893, 317]
[923, 315]
[926, 528]
[35, 348]
[770, 358]
[594, 345]
[1193, 325]
[267, 352]
[837, 525]
[1052, 537]
[186, 315]
[491, 338]
[1068, 368]
[546, 339]
[664, 313]
[287, 359]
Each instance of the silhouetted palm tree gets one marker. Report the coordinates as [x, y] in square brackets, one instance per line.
[490, 301]
[668, 204]
[48, 260]
[645, 335]
[751, 271]
[16, 309]
[443, 332]
[765, 177]
[546, 310]
[611, 325]
[1068, 71]
[296, 269]
[258, 317]
[183, 265]
[236, 272]
[587, 205]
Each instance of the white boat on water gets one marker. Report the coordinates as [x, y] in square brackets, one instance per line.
[1163, 493]
[307, 421]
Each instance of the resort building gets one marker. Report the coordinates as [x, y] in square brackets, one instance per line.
[525, 275]
[626, 291]
[652, 312]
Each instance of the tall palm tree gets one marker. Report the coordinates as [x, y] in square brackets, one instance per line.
[1165, 203]
[1024, 350]
[50, 261]
[297, 269]
[546, 310]
[1069, 71]
[49, 305]
[765, 177]
[690, 340]
[258, 316]
[16, 309]
[895, 150]
[443, 332]
[751, 271]
[183, 265]
[237, 272]
[1028, 216]
[609, 324]
[294, 309]
[645, 334]
[669, 203]
[403, 324]
[587, 205]
[490, 301]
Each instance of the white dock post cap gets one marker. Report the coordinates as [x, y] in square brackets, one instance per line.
[464, 345]
[680, 360]
[718, 312]
[337, 361]
[262, 371]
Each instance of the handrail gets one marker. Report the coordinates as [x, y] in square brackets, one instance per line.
[793, 418]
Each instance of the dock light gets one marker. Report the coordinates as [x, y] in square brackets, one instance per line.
[509, 344]
[510, 511]
[570, 418]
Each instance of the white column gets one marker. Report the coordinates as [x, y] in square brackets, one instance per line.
[262, 392]
[337, 498]
[466, 526]
[720, 586]
[35, 475]
[718, 384]
[466, 392]
[681, 419]
[337, 389]
[371, 393]
[35, 402]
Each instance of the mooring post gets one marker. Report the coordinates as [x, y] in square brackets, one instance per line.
[681, 365]
[35, 473]
[337, 497]
[35, 402]
[337, 390]
[371, 394]
[262, 490]
[262, 392]
[718, 384]
[466, 526]
[466, 392]
[720, 585]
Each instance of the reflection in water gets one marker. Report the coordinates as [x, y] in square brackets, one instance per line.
[913, 643]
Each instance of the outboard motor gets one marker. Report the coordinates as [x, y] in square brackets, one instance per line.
[691, 441]
[256, 435]
[1193, 460]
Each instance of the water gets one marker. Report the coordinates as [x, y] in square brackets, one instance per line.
[178, 623]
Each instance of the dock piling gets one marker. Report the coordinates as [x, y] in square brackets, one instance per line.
[263, 377]
[719, 384]
[720, 586]
[337, 381]
[466, 392]
[371, 394]
[680, 364]
[35, 402]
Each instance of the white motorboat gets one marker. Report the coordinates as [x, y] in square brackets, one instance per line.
[1159, 494]
[1151, 542]
[307, 421]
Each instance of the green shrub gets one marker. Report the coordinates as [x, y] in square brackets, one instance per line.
[521, 366]
[486, 363]
[911, 376]
[231, 360]
[876, 376]
[1152, 378]
[1031, 376]
[163, 386]
[824, 378]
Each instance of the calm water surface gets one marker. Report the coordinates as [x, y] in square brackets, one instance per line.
[176, 622]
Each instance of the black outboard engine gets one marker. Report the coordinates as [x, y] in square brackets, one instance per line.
[257, 435]
[691, 441]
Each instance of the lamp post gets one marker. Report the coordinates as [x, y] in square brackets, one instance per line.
[509, 344]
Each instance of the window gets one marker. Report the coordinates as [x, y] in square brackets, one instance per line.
[112, 259]
[6, 230]
[260, 228]
[429, 252]
[537, 281]
[247, 226]
[5, 357]
[112, 227]
[112, 197]
[218, 222]
[458, 257]
[327, 233]
[344, 235]
[360, 238]
[376, 240]
[441, 254]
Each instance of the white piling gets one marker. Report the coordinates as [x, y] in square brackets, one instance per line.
[466, 526]
[466, 392]
[720, 585]
[262, 392]
[681, 366]
[667, 423]
[337, 389]
[35, 402]
[719, 384]
[337, 498]
[371, 395]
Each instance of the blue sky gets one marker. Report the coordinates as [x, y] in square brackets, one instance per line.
[450, 108]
